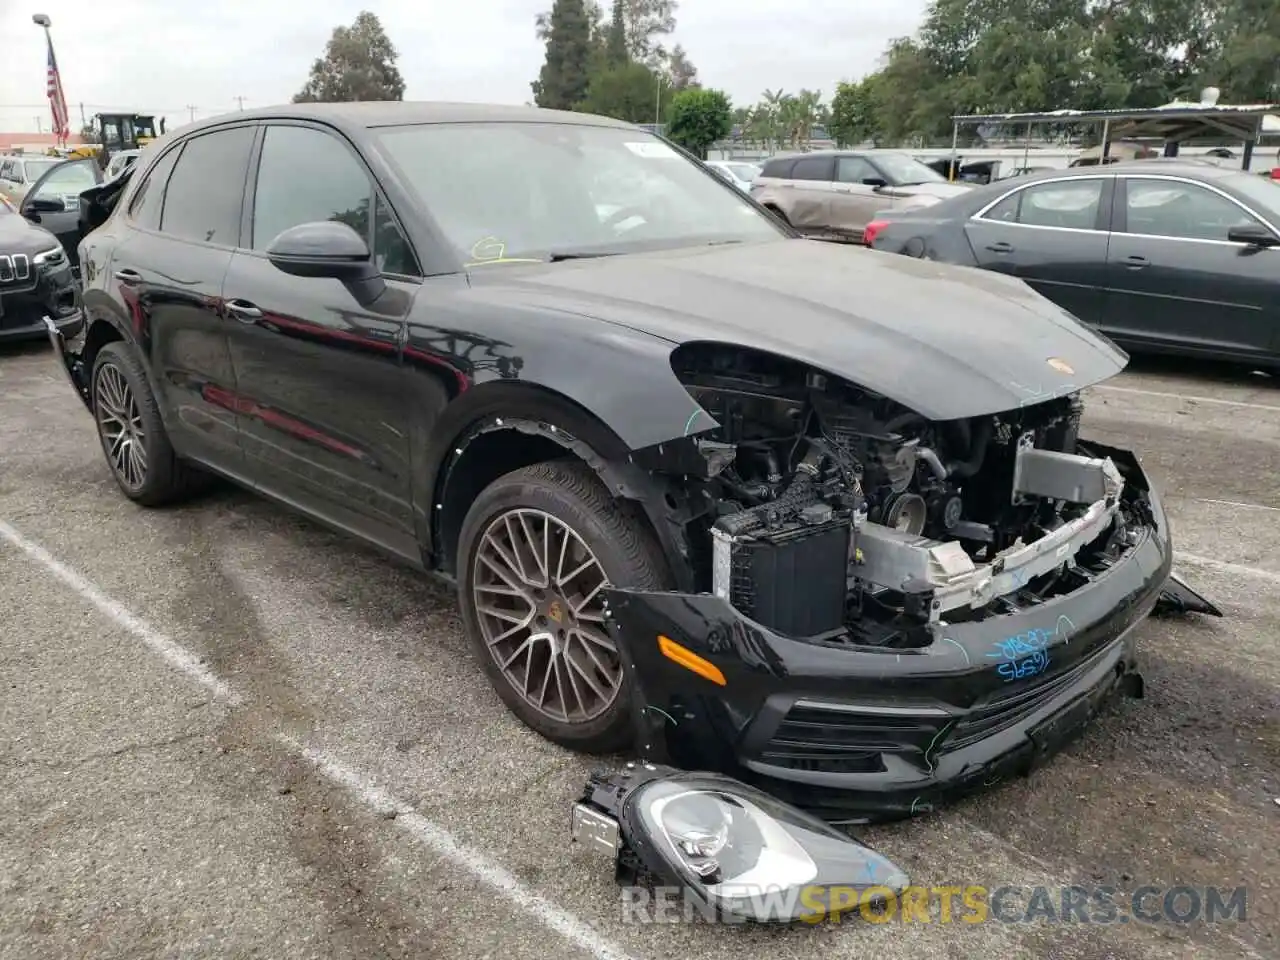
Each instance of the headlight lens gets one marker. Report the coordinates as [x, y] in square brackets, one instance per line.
[49, 258]
[751, 856]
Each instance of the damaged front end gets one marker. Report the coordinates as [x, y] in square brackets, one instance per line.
[889, 611]
[67, 355]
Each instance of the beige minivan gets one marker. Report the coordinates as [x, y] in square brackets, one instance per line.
[836, 193]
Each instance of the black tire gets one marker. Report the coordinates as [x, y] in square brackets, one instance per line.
[625, 550]
[165, 478]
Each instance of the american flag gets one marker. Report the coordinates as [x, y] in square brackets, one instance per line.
[57, 99]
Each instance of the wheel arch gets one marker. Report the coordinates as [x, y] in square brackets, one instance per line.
[499, 427]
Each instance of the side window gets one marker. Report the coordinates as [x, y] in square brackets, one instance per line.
[206, 189]
[144, 208]
[1169, 208]
[855, 170]
[306, 175]
[6, 170]
[813, 168]
[1071, 204]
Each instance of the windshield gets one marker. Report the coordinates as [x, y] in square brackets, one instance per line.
[1261, 193]
[531, 191]
[902, 170]
[72, 178]
[36, 168]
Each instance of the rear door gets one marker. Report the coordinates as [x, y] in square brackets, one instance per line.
[804, 195]
[1052, 234]
[1175, 279]
[324, 421]
[181, 225]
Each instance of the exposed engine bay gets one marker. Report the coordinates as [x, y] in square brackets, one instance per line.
[838, 515]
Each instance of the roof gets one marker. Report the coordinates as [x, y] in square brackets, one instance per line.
[1180, 120]
[386, 113]
[1199, 169]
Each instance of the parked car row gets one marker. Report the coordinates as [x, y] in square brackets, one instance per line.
[835, 193]
[1161, 255]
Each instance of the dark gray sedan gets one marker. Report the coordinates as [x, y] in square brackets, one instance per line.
[1168, 256]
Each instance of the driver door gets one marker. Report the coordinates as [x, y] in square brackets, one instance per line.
[53, 202]
[856, 196]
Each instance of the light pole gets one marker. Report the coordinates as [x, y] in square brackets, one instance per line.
[42, 20]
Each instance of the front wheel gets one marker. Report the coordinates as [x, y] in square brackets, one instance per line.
[538, 548]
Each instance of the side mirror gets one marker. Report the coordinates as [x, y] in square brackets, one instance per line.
[877, 182]
[1254, 234]
[325, 248]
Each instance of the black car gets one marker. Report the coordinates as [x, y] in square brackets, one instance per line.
[1169, 256]
[35, 280]
[753, 502]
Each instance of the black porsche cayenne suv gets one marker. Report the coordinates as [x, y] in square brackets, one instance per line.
[746, 501]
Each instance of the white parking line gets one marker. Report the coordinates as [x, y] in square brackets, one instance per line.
[1238, 569]
[439, 840]
[1182, 396]
[1236, 503]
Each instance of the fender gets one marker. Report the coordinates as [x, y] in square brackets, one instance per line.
[519, 408]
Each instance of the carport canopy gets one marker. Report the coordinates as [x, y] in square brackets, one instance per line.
[1174, 123]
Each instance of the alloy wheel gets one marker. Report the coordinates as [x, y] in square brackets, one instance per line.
[538, 594]
[120, 425]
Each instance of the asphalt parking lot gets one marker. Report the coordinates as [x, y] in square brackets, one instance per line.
[226, 732]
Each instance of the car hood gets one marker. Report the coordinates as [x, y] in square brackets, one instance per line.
[943, 340]
[19, 235]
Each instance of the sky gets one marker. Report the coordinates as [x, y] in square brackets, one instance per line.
[169, 56]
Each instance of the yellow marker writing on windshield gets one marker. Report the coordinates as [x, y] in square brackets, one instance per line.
[488, 250]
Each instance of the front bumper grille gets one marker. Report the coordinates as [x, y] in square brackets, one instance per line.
[835, 739]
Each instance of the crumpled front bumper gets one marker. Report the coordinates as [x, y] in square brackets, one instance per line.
[867, 733]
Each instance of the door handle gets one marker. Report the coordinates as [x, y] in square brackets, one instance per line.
[1000, 247]
[244, 311]
[1135, 262]
[128, 277]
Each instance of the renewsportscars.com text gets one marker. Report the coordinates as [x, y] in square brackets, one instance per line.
[972, 904]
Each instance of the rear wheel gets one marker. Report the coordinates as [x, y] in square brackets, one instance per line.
[133, 437]
[537, 549]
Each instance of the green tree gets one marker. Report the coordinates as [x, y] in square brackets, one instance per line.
[681, 74]
[359, 63]
[628, 92]
[851, 114]
[698, 118]
[562, 83]
[1246, 64]
[616, 53]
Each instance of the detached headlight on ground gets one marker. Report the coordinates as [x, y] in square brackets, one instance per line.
[737, 850]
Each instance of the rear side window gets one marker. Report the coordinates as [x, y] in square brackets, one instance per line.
[778, 169]
[1071, 204]
[814, 168]
[144, 208]
[206, 189]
